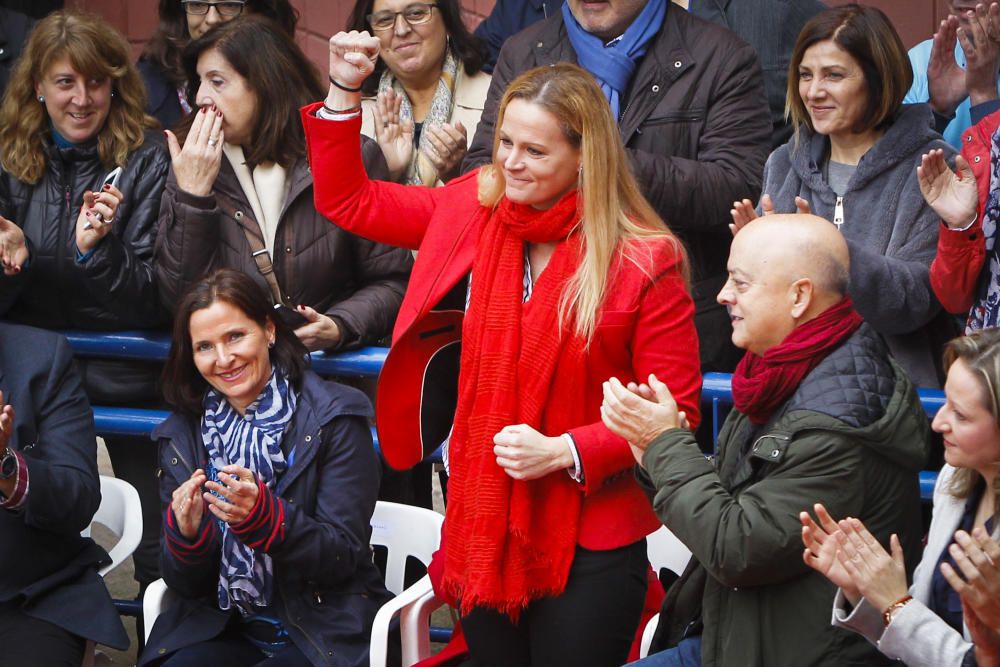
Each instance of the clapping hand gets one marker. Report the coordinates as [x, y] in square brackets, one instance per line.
[953, 196]
[822, 542]
[977, 581]
[196, 165]
[13, 248]
[187, 505]
[450, 142]
[235, 494]
[978, 32]
[743, 211]
[393, 134]
[91, 227]
[641, 414]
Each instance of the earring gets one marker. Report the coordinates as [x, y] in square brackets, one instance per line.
[41, 98]
[112, 93]
[270, 344]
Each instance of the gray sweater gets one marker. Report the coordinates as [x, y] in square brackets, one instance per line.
[890, 230]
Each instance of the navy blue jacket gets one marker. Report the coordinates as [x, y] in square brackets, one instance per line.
[161, 103]
[327, 589]
[44, 563]
[508, 18]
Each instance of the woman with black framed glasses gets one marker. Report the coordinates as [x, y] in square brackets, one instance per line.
[180, 22]
[424, 99]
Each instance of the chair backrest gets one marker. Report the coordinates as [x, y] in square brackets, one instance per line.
[121, 513]
[405, 531]
[665, 550]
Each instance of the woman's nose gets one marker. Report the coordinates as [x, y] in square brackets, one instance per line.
[400, 26]
[213, 16]
[222, 356]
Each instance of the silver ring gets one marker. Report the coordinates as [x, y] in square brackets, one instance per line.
[213, 142]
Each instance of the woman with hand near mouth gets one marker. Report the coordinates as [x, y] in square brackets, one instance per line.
[929, 624]
[240, 194]
[853, 160]
[75, 255]
[268, 487]
[555, 273]
[423, 100]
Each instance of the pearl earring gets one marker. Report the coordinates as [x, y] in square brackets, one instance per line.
[41, 98]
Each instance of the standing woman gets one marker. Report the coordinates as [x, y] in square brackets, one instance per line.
[240, 194]
[927, 624]
[424, 98]
[854, 160]
[181, 21]
[572, 277]
[74, 255]
[269, 484]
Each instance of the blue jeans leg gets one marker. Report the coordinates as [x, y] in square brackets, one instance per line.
[686, 654]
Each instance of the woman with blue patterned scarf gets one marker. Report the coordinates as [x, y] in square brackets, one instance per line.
[269, 483]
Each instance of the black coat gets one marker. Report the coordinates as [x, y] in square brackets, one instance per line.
[327, 590]
[696, 129]
[44, 562]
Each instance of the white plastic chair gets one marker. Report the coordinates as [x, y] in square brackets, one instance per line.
[405, 531]
[664, 550]
[120, 512]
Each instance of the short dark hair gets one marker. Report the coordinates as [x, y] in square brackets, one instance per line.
[277, 71]
[166, 46]
[867, 34]
[467, 47]
[183, 386]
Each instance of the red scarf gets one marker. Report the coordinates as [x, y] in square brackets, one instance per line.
[509, 542]
[762, 384]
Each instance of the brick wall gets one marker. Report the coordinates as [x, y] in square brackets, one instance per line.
[915, 19]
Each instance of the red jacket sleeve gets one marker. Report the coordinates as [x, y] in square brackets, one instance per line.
[663, 342]
[385, 212]
[960, 256]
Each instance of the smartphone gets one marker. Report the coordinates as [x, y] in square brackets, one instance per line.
[111, 179]
[292, 318]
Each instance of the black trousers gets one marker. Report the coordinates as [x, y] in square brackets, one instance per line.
[591, 624]
[28, 641]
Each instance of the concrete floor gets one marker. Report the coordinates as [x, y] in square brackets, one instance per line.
[123, 586]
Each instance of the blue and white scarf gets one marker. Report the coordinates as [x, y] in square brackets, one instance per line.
[614, 64]
[985, 311]
[252, 440]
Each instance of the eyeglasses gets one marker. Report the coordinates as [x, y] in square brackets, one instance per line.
[228, 8]
[416, 14]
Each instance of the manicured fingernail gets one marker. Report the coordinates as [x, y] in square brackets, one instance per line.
[219, 114]
[107, 186]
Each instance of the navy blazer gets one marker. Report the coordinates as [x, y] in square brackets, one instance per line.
[327, 589]
[45, 566]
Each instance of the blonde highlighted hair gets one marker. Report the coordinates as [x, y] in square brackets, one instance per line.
[980, 352]
[96, 51]
[616, 218]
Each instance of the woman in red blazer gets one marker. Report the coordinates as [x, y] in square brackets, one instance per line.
[557, 274]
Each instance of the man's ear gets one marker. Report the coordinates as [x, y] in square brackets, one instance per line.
[802, 296]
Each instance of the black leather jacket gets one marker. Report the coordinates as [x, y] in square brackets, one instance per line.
[114, 288]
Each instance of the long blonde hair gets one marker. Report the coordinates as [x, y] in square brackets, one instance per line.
[614, 211]
[95, 50]
[980, 351]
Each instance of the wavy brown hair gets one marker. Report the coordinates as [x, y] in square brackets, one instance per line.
[616, 218]
[980, 352]
[95, 50]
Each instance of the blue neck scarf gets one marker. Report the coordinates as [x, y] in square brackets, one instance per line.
[252, 440]
[614, 65]
[59, 140]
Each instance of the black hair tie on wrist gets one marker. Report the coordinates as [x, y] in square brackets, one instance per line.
[343, 87]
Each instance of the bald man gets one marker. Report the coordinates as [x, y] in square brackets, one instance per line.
[822, 414]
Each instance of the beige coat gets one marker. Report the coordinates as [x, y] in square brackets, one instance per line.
[470, 99]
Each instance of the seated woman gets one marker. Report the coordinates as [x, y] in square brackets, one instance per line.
[424, 99]
[161, 64]
[76, 255]
[269, 483]
[573, 278]
[853, 161]
[925, 626]
[240, 194]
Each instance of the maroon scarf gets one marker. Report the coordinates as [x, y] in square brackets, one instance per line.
[762, 384]
[509, 542]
